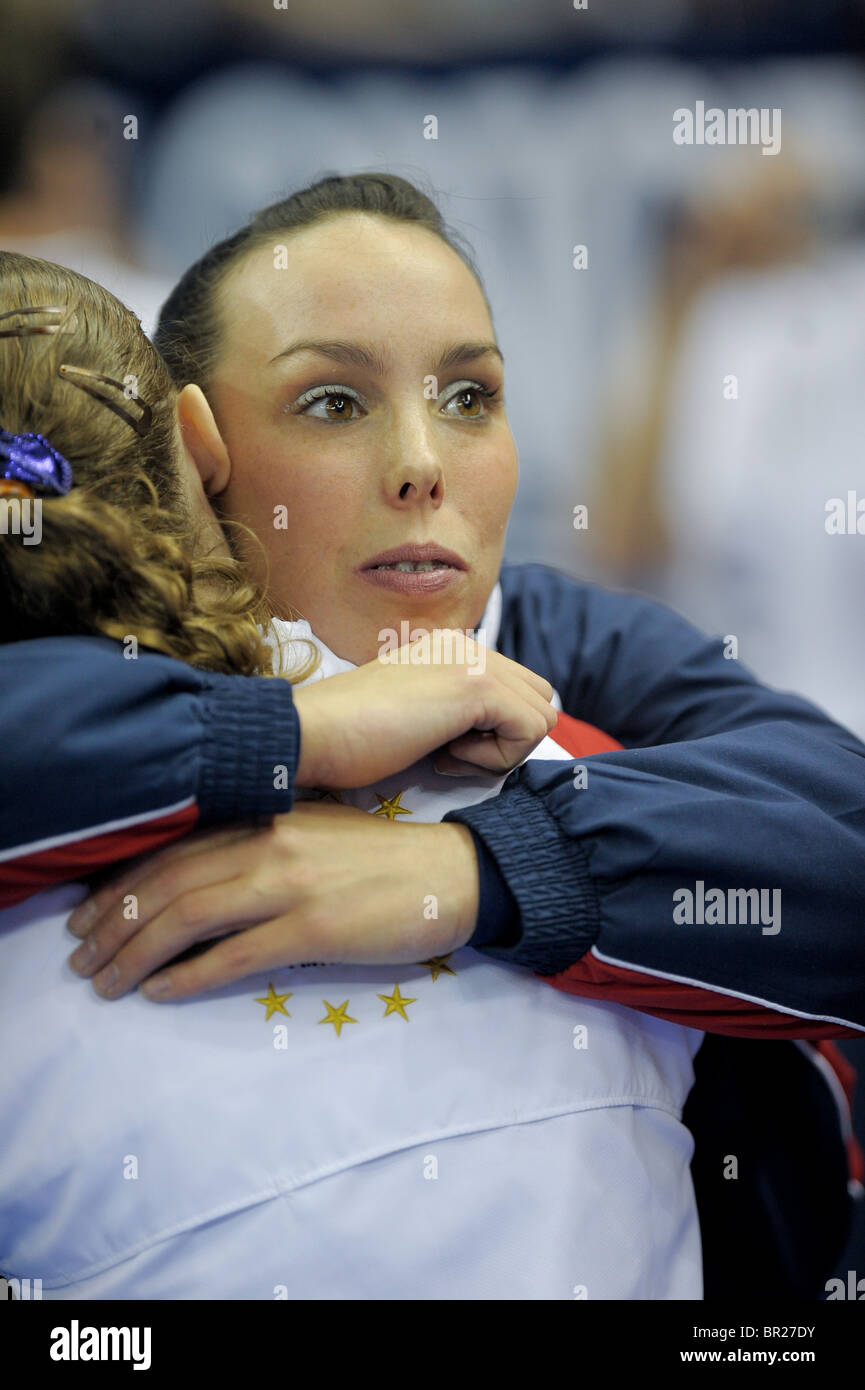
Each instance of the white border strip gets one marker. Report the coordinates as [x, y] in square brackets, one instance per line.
[830, 1076]
[722, 989]
[89, 832]
[839, 1095]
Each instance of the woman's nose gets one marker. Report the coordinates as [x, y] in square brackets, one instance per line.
[414, 472]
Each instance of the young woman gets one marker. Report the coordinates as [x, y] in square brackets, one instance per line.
[441, 1129]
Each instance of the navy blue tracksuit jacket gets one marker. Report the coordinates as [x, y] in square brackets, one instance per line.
[722, 784]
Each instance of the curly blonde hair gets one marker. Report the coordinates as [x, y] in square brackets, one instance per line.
[118, 556]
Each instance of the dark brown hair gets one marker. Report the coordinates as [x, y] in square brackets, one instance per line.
[188, 331]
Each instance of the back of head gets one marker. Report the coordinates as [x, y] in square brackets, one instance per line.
[116, 553]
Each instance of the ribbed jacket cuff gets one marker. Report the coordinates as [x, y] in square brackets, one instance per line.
[547, 872]
[250, 748]
[498, 922]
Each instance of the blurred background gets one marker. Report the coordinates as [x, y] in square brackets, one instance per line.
[684, 324]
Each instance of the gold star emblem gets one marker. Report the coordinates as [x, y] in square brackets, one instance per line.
[333, 796]
[274, 1003]
[391, 808]
[396, 1004]
[437, 964]
[337, 1016]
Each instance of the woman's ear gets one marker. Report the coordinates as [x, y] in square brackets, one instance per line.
[202, 441]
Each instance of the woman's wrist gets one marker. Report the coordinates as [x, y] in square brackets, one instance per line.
[308, 740]
[460, 871]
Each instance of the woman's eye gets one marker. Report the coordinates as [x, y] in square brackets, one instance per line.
[468, 402]
[328, 403]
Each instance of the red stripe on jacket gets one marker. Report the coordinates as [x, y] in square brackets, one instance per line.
[846, 1076]
[581, 739]
[31, 873]
[692, 1006]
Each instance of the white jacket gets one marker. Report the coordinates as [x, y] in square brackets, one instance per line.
[449, 1130]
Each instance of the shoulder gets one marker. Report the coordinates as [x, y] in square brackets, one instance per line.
[546, 597]
[73, 661]
[51, 687]
[601, 647]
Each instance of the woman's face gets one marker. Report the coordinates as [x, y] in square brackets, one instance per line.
[359, 394]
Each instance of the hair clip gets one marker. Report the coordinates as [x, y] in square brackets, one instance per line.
[28, 460]
[25, 330]
[11, 487]
[141, 425]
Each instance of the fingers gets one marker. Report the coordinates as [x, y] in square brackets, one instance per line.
[480, 658]
[514, 723]
[446, 763]
[487, 753]
[527, 691]
[212, 894]
[265, 947]
[504, 666]
[202, 915]
[111, 894]
[181, 903]
[515, 717]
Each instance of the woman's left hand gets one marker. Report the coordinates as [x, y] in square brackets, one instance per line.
[324, 883]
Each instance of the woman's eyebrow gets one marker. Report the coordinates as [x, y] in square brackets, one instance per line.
[469, 352]
[355, 353]
[361, 355]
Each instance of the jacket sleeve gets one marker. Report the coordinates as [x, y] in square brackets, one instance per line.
[631, 879]
[103, 757]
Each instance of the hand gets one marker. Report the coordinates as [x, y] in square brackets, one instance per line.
[485, 711]
[323, 883]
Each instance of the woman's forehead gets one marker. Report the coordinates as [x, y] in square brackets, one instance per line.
[368, 275]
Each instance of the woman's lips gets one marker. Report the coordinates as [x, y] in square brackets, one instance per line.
[412, 581]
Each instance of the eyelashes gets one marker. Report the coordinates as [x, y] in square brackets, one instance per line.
[321, 393]
[334, 390]
[473, 388]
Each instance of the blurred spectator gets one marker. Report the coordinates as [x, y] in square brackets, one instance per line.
[69, 202]
[740, 418]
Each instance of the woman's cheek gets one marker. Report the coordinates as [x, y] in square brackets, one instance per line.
[497, 490]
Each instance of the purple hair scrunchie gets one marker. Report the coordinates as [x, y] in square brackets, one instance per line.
[30, 459]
